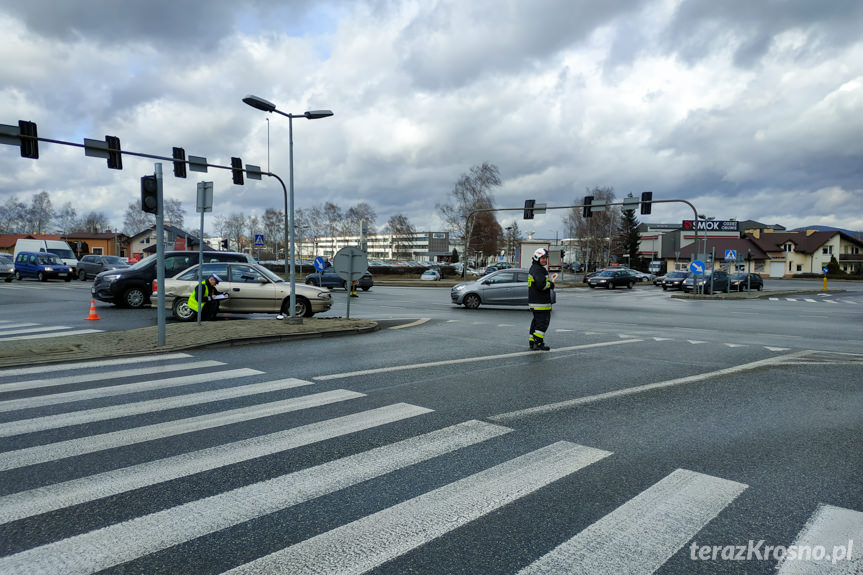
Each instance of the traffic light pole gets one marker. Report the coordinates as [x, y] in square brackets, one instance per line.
[470, 216]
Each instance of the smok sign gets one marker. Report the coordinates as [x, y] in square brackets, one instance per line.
[711, 225]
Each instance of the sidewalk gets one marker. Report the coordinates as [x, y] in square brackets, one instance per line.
[178, 336]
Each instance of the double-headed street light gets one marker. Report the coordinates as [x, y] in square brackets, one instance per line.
[261, 104]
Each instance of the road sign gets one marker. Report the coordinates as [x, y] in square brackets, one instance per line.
[350, 263]
[259, 239]
[730, 255]
[825, 270]
[697, 267]
[320, 264]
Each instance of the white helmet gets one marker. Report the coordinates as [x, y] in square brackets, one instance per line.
[540, 253]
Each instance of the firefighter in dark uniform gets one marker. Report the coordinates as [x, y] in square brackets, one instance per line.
[539, 287]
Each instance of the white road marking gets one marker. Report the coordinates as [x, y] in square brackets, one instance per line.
[4, 331]
[17, 371]
[643, 533]
[695, 341]
[560, 405]
[53, 334]
[77, 491]
[829, 527]
[57, 421]
[122, 542]
[462, 360]
[123, 389]
[73, 447]
[15, 325]
[412, 324]
[70, 379]
[373, 540]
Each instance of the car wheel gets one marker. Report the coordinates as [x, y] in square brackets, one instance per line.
[82, 275]
[41, 277]
[182, 311]
[610, 285]
[367, 288]
[9, 279]
[630, 284]
[302, 308]
[591, 286]
[471, 301]
[664, 288]
[68, 278]
[134, 298]
[758, 288]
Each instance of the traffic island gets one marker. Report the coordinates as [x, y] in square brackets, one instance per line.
[178, 336]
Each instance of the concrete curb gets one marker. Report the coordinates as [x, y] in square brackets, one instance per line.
[178, 337]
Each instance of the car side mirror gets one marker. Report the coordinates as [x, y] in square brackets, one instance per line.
[263, 280]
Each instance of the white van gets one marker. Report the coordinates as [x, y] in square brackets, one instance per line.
[57, 247]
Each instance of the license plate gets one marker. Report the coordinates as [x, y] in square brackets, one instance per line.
[61, 275]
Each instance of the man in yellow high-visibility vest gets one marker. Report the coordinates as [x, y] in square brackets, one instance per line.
[208, 291]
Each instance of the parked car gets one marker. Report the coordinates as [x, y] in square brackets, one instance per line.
[251, 288]
[644, 277]
[92, 265]
[7, 268]
[431, 275]
[132, 286]
[42, 266]
[330, 279]
[740, 281]
[503, 287]
[657, 281]
[720, 282]
[674, 280]
[610, 279]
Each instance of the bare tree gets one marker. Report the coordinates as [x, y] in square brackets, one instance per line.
[333, 219]
[66, 217]
[232, 228]
[471, 192]
[596, 232]
[13, 216]
[403, 233]
[41, 213]
[359, 213]
[512, 237]
[94, 223]
[273, 224]
[136, 220]
[173, 212]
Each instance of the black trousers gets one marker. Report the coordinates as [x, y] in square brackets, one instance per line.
[539, 324]
[208, 313]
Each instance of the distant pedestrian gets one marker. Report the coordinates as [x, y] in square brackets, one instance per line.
[207, 291]
[539, 287]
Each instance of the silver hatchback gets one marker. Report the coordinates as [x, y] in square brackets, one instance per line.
[503, 287]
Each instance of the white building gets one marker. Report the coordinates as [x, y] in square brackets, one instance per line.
[421, 246]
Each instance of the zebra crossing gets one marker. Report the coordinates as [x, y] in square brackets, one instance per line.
[92, 408]
[13, 331]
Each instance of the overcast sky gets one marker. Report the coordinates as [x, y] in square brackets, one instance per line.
[750, 109]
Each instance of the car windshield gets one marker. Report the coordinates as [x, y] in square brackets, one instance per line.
[144, 263]
[52, 259]
[115, 260]
[737, 276]
[677, 275]
[607, 273]
[63, 253]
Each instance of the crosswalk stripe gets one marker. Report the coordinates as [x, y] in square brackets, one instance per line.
[52, 334]
[14, 325]
[89, 377]
[123, 389]
[829, 527]
[76, 491]
[19, 371]
[371, 541]
[73, 447]
[129, 540]
[4, 331]
[116, 411]
[643, 533]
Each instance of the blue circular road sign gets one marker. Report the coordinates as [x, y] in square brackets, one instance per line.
[697, 267]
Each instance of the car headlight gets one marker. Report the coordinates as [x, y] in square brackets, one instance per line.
[111, 277]
[459, 287]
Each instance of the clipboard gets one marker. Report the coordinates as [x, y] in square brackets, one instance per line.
[220, 296]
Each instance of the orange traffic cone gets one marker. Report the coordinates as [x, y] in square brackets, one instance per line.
[93, 310]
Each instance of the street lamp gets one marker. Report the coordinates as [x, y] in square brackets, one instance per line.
[261, 104]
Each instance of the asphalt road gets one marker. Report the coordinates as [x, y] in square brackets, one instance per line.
[657, 432]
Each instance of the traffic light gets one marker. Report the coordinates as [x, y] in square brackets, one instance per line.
[179, 162]
[562, 254]
[115, 158]
[225, 244]
[237, 169]
[646, 198]
[528, 209]
[149, 194]
[29, 144]
[585, 211]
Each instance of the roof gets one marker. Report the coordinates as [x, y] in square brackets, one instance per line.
[740, 245]
[803, 243]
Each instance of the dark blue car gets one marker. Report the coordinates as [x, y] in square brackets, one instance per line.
[330, 279]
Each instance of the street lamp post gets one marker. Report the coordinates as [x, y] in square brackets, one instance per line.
[261, 104]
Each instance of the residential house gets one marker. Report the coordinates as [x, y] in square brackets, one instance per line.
[809, 251]
[143, 243]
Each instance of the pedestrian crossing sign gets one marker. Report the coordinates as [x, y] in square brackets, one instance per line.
[259, 239]
[730, 255]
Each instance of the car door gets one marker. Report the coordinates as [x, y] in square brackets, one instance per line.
[250, 291]
[498, 288]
